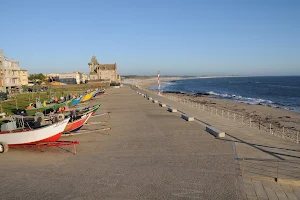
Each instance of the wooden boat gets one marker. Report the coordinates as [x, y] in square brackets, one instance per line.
[49, 133]
[87, 97]
[99, 93]
[87, 109]
[81, 110]
[75, 102]
[32, 111]
[78, 123]
[95, 108]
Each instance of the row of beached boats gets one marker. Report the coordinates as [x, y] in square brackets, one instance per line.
[45, 124]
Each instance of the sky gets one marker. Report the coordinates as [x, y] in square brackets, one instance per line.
[177, 37]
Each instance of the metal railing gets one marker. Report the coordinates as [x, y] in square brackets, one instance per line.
[271, 128]
[269, 168]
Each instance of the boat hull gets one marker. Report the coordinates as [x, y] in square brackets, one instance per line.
[99, 93]
[76, 125]
[75, 102]
[50, 133]
[54, 106]
[87, 97]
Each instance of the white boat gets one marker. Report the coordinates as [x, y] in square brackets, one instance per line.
[49, 133]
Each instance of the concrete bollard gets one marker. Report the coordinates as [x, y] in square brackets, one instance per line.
[187, 118]
[154, 101]
[172, 109]
[162, 105]
[214, 131]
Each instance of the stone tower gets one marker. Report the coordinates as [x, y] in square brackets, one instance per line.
[93, 64]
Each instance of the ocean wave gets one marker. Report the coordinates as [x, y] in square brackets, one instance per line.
[241, 98]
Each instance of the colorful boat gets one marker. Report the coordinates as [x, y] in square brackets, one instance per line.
[75, 102]
[87, 109]
[81, 110]
[77, 124]
[48, 133]
[95, 108]
[32, 111]
[87, 97]
[99, 93]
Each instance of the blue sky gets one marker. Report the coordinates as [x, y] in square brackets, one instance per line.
[178, 37]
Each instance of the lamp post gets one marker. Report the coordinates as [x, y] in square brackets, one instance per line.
[158, 83]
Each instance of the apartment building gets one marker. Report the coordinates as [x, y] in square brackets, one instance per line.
[12, 77]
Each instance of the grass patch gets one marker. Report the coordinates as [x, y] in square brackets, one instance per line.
[21, 101]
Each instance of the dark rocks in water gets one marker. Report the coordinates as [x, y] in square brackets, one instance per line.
[202, 94]
[188, 94]
[174, 92]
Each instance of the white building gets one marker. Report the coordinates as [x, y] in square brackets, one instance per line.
[12, 77]
[69, 78]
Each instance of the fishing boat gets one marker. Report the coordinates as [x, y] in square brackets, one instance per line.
[41, 108]
[44, 134]
[75, 101]
[77, 124]
[99, 93]
[87, 97]
[95, 108]
[82, 110]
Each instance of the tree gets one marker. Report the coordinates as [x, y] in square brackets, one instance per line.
[37, 78]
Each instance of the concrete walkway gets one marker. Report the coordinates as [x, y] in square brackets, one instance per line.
[148, 154]
[261, 157]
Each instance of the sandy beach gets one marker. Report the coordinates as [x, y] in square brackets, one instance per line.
[265, 115]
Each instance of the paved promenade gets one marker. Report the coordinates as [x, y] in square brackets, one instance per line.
[148, 154]
[265, 156]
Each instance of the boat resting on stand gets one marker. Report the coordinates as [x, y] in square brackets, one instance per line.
[32, 111]
[87, 97]
[44, 136]
[82, 110]
[77, 124]
[76, 101]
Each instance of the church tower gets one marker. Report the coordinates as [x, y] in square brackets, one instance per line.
[93, 64]
[93, 68]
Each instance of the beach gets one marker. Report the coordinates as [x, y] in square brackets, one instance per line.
[263, 114]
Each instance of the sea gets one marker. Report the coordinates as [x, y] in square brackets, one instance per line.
[275, 91]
